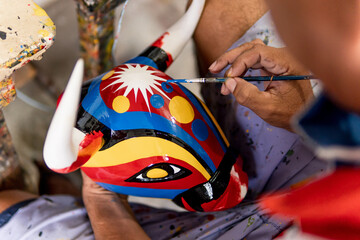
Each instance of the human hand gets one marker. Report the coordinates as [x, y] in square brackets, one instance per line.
[281, 99]
[331, 49]
[91, 189]
[105, 208]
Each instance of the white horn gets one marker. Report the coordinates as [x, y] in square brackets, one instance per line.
[179, 33]
[60, 150]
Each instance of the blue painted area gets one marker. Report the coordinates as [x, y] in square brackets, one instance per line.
[157, 101]
[167, 87]
[94, 105]
[143, 60]
[200, 130]
[205, 115]
[143, 192]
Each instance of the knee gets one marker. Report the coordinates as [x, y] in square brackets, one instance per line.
[11, 197]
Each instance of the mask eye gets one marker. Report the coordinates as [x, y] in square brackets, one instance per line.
[160, 172]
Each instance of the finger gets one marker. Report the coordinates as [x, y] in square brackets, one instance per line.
[224, 90]
[84, 176]
[244, 92]
[260, 57]
[274, 60]
[87, 182]
[243, 62]
[229, 57]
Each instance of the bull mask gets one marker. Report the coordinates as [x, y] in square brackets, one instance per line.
[134, 133]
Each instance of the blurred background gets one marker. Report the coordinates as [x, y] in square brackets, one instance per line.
[39, 83]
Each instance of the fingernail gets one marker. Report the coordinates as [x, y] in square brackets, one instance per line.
[212, 66]
[231, 84]
[223, 89]
[229, 72]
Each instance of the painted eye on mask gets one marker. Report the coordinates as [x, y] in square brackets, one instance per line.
[160, 172]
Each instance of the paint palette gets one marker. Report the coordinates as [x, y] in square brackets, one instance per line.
[26, 32]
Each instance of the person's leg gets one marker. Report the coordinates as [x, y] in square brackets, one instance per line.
[50, 183]
[9, 198]
[48, 217]
[26, 214]
[222, 23]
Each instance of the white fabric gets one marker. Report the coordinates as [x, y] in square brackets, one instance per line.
[49, 217]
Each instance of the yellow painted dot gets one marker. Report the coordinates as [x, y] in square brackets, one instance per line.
[121, 104]
[109, 74]
[156, 173]
[181, 109]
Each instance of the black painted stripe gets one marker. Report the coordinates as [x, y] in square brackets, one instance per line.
[158, 55]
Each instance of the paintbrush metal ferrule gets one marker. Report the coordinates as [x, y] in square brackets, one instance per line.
[197, 80]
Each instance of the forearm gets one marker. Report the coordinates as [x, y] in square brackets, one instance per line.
[222, 23]
[111, 218]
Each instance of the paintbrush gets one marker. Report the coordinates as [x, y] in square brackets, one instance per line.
[250, 79]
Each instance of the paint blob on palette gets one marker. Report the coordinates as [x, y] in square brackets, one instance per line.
[26, 32]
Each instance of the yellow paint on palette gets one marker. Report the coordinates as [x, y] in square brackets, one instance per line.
[43, 33]
[143, 147]
[108, 75]
[50, 23]
[181, 110]
[157, 173]
[38, 11]
[121, 104]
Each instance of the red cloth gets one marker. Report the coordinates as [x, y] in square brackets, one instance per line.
[328, 207]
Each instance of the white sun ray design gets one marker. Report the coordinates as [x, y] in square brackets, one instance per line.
[138, 78]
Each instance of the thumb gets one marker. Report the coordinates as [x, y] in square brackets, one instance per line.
[245, 93]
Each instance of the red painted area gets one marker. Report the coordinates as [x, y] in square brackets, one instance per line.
[232, 195]
[117, 174]
[90, 145]
[75, 166]
[108, 94]
[59, 99]
[328, 207]
[159, 42]
[187, 206]
[170, 59]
